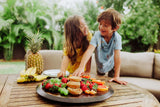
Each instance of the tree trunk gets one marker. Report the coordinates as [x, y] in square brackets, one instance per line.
[158, 43]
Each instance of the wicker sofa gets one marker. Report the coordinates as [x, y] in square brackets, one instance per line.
[141, 69]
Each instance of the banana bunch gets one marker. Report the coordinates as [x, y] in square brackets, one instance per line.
[157, 51]
[30, 75]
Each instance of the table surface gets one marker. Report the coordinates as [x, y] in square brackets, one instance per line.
[13, 94]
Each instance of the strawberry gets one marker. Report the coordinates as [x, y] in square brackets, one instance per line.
[48, 85]
[64, 80]
[90, 86]
[87, 82]
[93, 83]
[55, 84]
[60, 85]
[82, 83]
[84, 87]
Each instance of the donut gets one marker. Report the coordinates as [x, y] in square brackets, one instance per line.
[75, 78]
[73, 84]
[75, 91]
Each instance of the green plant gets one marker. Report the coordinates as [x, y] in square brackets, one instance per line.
[90, 12]
[7, 38]
[140, 27]
[116, 4]
[20, 18]
[9, 29]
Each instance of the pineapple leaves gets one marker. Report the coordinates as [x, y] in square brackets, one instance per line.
[34, 42]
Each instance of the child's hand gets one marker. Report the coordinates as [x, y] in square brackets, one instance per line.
[61, 74]
[118, 81]
[78, 72]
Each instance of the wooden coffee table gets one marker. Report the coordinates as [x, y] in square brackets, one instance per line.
[13, 94]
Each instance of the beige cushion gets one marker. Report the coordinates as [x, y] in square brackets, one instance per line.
[152, 85]
[137, 64]
[93, 65]
[52, 59]
[157, 66]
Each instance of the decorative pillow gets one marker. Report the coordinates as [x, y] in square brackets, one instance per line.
[52, 59]
[157, 66]
[93, 65]
[137, 64]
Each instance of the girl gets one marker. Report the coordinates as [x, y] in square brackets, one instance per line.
[77, 38]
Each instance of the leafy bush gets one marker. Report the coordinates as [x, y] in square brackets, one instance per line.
[20, 18]
[90, 12]
[140, 26]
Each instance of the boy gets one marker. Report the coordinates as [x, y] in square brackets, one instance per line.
[107, 45]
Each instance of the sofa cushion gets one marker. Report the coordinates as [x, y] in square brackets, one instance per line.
[51, 58]
[137, 64]
[152, 85]
[157, 66]
[93, 65]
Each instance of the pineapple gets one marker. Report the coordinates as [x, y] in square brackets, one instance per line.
[34, 58]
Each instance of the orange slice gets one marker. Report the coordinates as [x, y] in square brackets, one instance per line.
[99, 82]
[102, 88]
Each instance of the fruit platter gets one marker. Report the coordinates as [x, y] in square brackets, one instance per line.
[74, 89]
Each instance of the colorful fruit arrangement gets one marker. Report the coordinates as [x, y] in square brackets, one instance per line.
[56, 85]
[74, 85]
[30, 75]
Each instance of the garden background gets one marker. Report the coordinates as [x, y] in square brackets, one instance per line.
[140, 28]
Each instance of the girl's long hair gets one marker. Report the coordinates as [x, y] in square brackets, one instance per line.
[74, 38]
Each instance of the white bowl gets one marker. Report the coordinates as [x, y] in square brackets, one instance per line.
[53, 72]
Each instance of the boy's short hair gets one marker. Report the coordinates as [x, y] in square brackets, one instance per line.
[111, 15]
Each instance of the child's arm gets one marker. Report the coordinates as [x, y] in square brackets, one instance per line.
[88, 66]
[64, 65]
[85, 58]
[117, 62]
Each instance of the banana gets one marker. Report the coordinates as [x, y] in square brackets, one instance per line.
[33, 71]
[29, 70]
[40, 77]
[22, 73]
[30, 75]
[21, 79]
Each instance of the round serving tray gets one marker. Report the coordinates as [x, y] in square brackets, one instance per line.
[83, 98]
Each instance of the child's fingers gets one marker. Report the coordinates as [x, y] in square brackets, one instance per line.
[74, 74]
[61, 74]
[79, 74]
[124, 82]
[118, 81]
[111, 80]
[121, 82]
[82, 73]
[64, 74]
